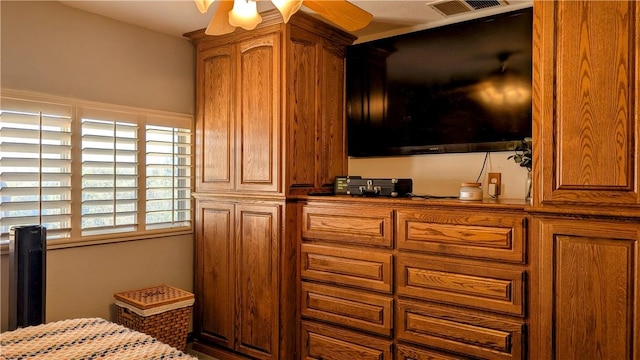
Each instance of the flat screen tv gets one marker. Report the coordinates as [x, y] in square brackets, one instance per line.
[464, 87]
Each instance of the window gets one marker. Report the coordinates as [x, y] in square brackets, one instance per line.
[82, 170]
[35, 166]
[168, 176]
[109, 171]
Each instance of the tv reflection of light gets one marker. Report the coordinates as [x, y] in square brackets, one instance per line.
[377, 106]
[501, 91]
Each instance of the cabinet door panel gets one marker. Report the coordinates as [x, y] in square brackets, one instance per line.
[326, 342]
[303, 113]
[258, 113]
[585, 289]
[257, 248]
[214, 265]
[332, 150]
[586, 101]
[215, 140]
[315, 113]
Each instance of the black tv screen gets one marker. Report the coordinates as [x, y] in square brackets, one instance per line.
[464, 87]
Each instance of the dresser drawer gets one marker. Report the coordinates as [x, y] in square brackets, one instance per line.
[404, 352]
[327, 342]
[361, 225]
[479, 235]
[459, 282]
[355, 309]
[370, 270]
[458, 330]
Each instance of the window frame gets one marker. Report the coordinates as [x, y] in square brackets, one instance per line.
[143, 117]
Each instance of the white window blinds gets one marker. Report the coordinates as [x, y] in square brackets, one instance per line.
[86, 171]
[35, 166]
[109, 172]
[168, 175]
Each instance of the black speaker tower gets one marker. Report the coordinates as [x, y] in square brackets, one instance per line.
[27, 275]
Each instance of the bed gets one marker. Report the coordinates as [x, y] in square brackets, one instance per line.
[88, 338]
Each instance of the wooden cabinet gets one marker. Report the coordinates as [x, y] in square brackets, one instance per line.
[238, 120]
[585, 291]
[316, 136]
[215, 124]
[214, 275]
[586, 107]
[269, 126]
[270, 106]
[437, 281]
[584, 302]
[346, 269]
[461, 281]
[237, 277]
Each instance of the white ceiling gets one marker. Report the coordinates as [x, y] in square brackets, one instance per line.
[176, 17]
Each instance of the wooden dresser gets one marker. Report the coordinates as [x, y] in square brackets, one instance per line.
[412, 279]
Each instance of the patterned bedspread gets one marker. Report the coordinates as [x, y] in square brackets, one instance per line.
[92, 338]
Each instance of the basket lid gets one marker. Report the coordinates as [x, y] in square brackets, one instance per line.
[153, 296]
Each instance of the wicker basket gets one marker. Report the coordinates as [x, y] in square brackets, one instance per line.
[161, 311]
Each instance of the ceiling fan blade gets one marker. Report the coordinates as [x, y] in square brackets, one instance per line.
[341, 13]
[219, 24]
[287, 7]
[203, 5]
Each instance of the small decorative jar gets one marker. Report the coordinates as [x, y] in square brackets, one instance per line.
[471, 191]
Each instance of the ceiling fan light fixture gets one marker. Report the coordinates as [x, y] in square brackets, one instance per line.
[287, 7]
[245, 14]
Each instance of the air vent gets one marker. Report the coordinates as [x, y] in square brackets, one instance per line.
[454, 7]
[480, 4]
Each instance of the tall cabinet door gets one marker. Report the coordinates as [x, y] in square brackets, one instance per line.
[214, 280]
[585, 290]
[257, 249]
[316, 146]
[215, 135]
[332, 150]
[258, 114]
[586, 102]
[237, 272]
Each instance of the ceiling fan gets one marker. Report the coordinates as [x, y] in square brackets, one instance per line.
[243, 13]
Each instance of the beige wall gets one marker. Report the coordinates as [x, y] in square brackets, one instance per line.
[442, 174]
[81, 281]
[53, 49]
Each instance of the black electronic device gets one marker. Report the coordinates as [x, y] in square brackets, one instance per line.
[463, 87]
[341, 183]
[27, 275]
[379, 187]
